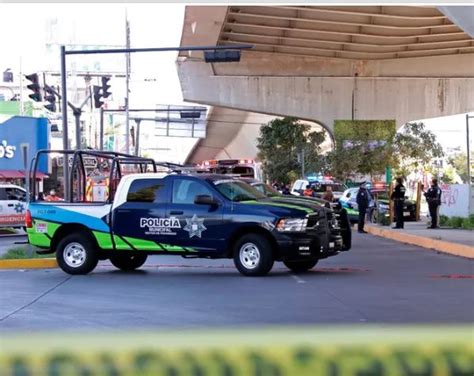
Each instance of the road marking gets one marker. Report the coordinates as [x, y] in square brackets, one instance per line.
[453, 276]
[298, 279]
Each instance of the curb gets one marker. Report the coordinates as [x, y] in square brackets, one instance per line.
[455, 249]
[42, 263]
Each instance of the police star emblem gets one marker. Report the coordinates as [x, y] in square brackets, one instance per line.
[194, 226]
[19, 208]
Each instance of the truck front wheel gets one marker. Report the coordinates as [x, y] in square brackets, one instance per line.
[77, 254]
[299, 266]
[253, 255]
[127, 261]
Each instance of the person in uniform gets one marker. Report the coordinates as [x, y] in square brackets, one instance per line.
[433, 197]
[398, 198]
[362, 200]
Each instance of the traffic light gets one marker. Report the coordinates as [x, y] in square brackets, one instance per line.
[97, 96]
[105, 87]
[50, 97]
[222, 56]
[34, 87]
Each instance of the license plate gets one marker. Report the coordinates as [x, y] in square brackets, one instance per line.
[406, 213]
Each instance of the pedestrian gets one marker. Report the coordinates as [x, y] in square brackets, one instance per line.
[433, 197]
[286, 190]
[328, 195]
[362, 200]
[52, 196]
[398, 198]
[308, 191]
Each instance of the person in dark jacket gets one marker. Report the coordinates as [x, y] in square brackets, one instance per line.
[362, 200]
[398, 198]
[433, 197]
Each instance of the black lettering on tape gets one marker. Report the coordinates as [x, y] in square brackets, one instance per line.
[151, 364]
[460, 361]
[413, 363]
[108, 367]
[358, 362]
[19, 367]
[193, 366]
[225, 368]
[263, 366]
[66, 364]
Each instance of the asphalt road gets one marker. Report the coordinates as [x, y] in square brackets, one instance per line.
[378, 282]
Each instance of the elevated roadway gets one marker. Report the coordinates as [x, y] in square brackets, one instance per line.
[332, 62]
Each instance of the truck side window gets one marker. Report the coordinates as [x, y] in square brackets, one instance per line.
[184, 191]
[3, 194]
[147, 190]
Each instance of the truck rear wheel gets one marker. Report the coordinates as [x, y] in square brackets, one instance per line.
[300, 266]
[253, 255]
[127, 261]
[77, 254]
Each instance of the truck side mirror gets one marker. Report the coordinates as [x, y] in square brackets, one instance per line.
[205, 200]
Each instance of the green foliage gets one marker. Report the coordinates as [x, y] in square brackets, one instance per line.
[457, 222]
[414, 146]
[21, 253]
[358, 152]
[459, 163]
[362, 147]
[279, 143]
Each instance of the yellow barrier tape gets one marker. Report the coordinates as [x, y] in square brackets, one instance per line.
[364, 351]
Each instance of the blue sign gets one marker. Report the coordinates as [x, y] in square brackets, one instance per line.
[20, 137]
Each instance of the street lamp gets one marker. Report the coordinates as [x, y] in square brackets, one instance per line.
[468, 149]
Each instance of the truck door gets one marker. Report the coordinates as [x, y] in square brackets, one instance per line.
[201, 225]
[140, 223]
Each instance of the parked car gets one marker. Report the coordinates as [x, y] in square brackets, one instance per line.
[319, 187]
[379, 204]
[12, 206]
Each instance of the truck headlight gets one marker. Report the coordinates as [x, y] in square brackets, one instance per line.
[292, 224]
[384, 206]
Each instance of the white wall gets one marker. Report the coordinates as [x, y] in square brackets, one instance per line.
[455, 200]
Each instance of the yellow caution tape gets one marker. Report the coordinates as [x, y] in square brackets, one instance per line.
[362, 351]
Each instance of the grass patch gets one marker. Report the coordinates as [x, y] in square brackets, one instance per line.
[457, 222]
[22, 253]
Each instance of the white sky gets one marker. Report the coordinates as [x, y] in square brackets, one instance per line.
[25, 29]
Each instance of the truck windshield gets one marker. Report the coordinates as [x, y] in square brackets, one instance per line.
[237, 190]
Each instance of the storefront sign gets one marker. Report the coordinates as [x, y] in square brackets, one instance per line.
[20, 138]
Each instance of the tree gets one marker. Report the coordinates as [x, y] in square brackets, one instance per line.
[459, 163]
[411, 148]
[414, 147]
[280, 142]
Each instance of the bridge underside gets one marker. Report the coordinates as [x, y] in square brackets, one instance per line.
[327, 63]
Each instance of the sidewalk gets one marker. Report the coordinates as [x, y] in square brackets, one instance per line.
[452, 241]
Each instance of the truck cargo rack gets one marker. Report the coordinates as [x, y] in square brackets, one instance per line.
[75, 158]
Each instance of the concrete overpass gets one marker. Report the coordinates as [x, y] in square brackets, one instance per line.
[325, 63]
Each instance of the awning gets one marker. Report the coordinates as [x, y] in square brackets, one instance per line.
[18, 174]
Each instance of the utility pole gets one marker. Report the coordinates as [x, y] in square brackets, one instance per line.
[127, 85]
[468, 149]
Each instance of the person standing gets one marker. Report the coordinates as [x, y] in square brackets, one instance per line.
[398, 198]
[433, 197]
[308, 192]
[362, 200]
[328, 195]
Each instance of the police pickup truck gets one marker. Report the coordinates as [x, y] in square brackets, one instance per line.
[201, 215]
